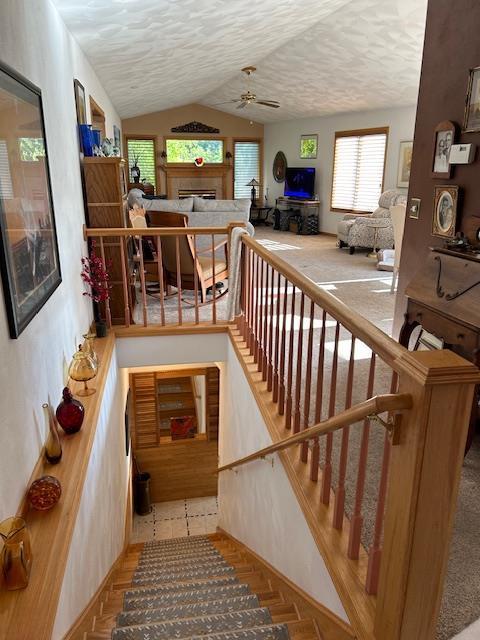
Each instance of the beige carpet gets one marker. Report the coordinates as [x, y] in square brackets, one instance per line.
[355, 281]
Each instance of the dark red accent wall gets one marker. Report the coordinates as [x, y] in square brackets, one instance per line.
[452, 47]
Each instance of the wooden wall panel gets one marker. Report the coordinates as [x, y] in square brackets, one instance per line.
[181, 469]
[452, 47]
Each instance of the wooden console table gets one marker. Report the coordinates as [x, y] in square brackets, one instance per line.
[444, 299]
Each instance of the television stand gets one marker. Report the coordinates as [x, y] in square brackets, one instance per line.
[285, 206]
[295, 203]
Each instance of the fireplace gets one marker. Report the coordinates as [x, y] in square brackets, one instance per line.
[208, 194]
[185, 180]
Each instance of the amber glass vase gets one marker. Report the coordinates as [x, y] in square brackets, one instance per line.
[53, 448]
[88, 348]
[16, 553]
[82, 369]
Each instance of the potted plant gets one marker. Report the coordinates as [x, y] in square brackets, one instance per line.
[94, 273]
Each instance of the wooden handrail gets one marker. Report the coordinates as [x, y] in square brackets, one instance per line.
[384, 346]
[372, 406]
[125, 232]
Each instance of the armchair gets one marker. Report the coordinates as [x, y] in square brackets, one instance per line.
[358, 231]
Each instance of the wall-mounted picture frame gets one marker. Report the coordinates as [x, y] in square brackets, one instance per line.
[29, 261]
[404, 163]
[445, 204]
[80, 102]
[414, 208]
[472, 103]
[444, 137]
[117, 139]
[308, 146]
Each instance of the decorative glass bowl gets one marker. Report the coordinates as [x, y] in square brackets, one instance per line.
[44, 493]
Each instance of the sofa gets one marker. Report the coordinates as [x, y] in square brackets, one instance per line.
[359, 231]
[201, 212]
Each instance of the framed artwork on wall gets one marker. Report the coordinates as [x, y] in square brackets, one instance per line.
[404, 163]
[472, 108]
[308, 146]
[445, 211]
[117, 140]
[80, 102]
[443, 139]
[29, 259]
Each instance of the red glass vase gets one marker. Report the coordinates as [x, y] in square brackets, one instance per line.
[70, 413]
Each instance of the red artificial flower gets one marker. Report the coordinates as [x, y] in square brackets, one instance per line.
[95, 274]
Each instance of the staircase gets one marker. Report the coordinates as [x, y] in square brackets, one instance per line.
[198, 587]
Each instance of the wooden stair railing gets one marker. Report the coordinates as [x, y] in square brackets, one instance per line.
[314, 363]
[133, 258]
[367, 409]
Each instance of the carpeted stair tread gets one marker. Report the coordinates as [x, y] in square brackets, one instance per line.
[267, 632]
[186, 541]
[190, 610]
[169, 565]
[181, 576]
[200, 626]
[177, 587]
[173, 555]
[158, 600]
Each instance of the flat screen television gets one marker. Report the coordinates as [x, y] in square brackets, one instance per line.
[300, 182]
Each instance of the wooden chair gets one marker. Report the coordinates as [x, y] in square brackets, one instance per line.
[201, 270]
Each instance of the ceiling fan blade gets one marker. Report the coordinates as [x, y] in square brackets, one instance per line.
[267, 104]
[242, 105]
[267, 100]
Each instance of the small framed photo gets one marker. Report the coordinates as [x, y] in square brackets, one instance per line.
[472, 108]
[80, 102]
[443, 139]
[308, 146]
[445, 211]
[404, 164]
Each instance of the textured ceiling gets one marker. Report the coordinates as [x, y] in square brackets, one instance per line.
[314, 56]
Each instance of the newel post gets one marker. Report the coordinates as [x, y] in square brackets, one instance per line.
[421, 501]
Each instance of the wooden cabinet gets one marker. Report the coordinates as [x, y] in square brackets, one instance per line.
[106, 195]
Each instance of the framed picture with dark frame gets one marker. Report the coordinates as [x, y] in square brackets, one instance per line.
[80, 102]
[472, 104]
[445, 205]
[443, 139]
[29, 261]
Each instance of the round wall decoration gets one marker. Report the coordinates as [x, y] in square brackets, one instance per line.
[279, 167]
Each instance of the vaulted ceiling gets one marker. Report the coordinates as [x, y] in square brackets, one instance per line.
[314, 56]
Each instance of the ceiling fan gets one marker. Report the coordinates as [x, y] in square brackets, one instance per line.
[248, 97]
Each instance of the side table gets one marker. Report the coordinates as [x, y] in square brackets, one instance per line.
[376, 225]
[259, 215]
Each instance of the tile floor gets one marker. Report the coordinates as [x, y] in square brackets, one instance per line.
[177, 519]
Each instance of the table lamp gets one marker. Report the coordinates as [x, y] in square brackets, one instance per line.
[253, 183]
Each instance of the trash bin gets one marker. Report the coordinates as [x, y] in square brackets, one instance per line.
[142, 494]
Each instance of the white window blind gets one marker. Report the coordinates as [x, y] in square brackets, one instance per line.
[358, 171]
[144, 150]
[246, 167]
[6, 189]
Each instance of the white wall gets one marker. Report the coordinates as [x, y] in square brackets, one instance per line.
[285, 136]
[257, 505]
[98, 537]
[35, 42]
[168, 350]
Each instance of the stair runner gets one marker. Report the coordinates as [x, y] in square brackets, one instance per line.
[184, 588]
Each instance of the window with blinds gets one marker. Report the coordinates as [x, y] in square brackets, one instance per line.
[358, 169]
[6, 189]
[246, 165]
[143, 152]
